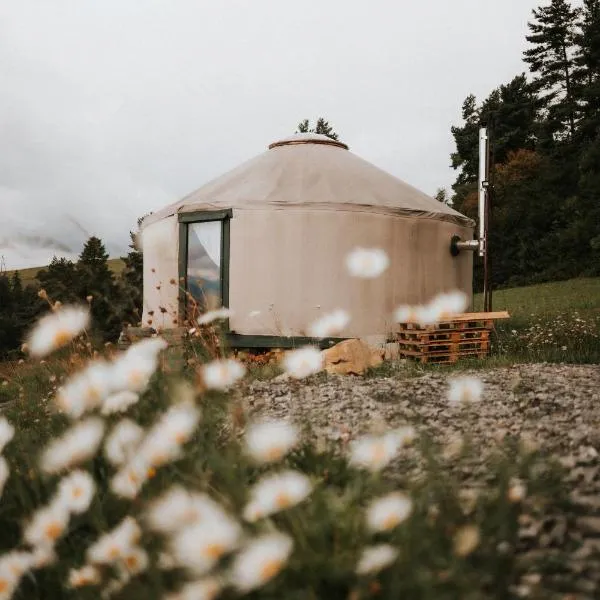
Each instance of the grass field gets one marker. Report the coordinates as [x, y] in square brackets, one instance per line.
[28, 276]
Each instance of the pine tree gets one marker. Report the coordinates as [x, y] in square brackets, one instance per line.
[551, 60]
[59, 280]
[323, 127]
[587, 60]
[94, 278]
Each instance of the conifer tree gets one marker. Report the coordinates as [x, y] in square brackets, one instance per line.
[551, 60]
[322, 126]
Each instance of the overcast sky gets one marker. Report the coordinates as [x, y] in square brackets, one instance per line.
[112, 108]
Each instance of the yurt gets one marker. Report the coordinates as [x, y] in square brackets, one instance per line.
[269, 240]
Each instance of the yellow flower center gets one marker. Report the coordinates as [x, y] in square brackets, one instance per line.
[113, 552]
[61, 337]
[283, 500]
[151, 472]
[274, 453]
[131, 562]
[378, 453]
[3, 585]
[270, 569]
[390, 521]
[135, 377]
[180, 437]
[77, 492]
[214, 550]
[53, 530]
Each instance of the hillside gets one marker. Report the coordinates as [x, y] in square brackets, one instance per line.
[28, 276]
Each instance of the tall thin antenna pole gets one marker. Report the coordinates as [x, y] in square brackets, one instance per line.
[483, 209]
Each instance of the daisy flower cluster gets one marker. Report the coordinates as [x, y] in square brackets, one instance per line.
[442, 308]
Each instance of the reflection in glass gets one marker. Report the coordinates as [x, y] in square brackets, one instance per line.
[204, 264]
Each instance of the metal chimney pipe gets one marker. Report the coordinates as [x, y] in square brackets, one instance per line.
[483, 189]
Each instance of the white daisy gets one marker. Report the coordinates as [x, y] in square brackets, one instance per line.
[276, 492]
[215, 315]
[57, 329]
[270, 441]
[129, 480]
[517, 490]
[135, 560]
[4, 473]
[466, 539]
[330, 324]
[389, 511]
[77, 445]
[132, 371]
[199, 547]
[47, 525]
[406, 314]
[303, 362]
[376, 558]
[222, 374]
[179, 508]
[149, 347]
[84, 576]
[76, 491]
[260, 561]
[43, 556]
[122, 441]
[85, 391]
[114, 545]
[7, 432]
[9, 581]
[119, 402]
[375, 452]
[204, 589]
[17, 562]
[367, 263]
[449, 304]
[465, 390]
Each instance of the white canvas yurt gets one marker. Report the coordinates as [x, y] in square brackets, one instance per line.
[269, 240]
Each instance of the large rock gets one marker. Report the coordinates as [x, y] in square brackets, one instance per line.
[351, 357]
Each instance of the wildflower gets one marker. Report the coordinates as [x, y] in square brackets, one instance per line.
[57, 329]
[7, 432]
[330, 324]
[76, 491]
[85, 391]
[178, 508]
[47, 525]
[199, 547]
[8, 583]
[17, 563]
[77, 445]
[446, 305]
[4, 473]
[135, 560]
[222, 374]
[128, 481]
[465, 390]
[426, 315]
[215, 315]
[376, 558]
[132, 371]
[204, 589]
[123, 441]
[367, 263]
[303, 362]
[270, 441]
[115, 544]
[404, 435]
[260, 561]
[405, 314]
[517, 491]
[86, 575]
[277, 492]
[149, 347]
[43, 556]
[389, 511]
[119, 402]
[375, 452]
[466, 539]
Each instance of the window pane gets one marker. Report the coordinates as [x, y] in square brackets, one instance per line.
[204, 264]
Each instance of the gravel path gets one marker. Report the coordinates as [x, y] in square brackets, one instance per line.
[557, 406]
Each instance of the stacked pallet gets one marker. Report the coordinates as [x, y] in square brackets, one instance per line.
[466, 335]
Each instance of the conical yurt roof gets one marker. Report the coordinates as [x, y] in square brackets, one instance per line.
[314, 172]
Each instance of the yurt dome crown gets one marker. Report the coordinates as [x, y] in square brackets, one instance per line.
[308, 138]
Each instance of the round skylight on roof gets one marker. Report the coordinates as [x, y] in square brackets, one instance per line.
[308, 138]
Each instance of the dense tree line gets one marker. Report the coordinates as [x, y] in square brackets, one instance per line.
[114, 300]
[545, 126]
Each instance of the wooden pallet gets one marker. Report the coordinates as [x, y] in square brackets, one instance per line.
[466, 335]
